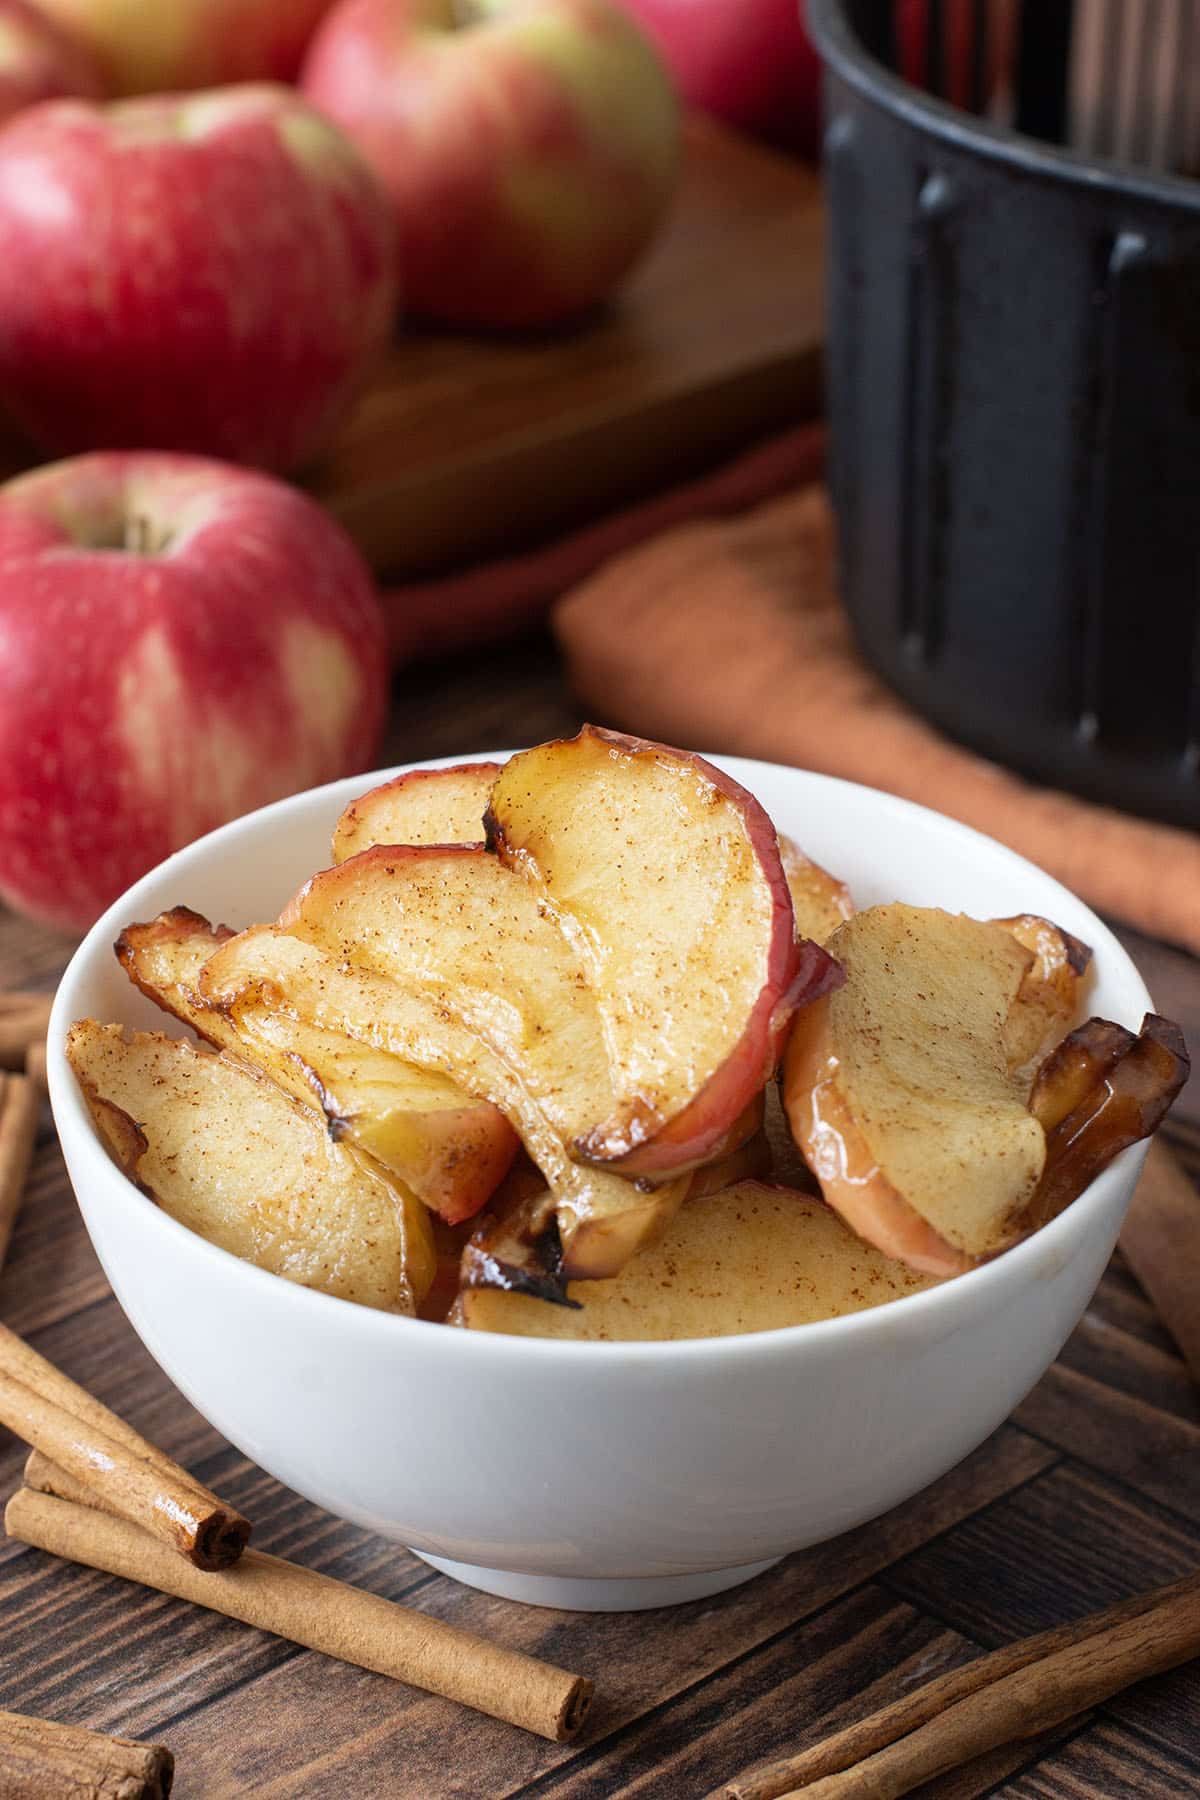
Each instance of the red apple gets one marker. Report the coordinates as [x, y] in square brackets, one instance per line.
[148, 46]
[749, 62]
[180, 641]
[38, 61]
[752, 62]
[211, 273]
[529, 146]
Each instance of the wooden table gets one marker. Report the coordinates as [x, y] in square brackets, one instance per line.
[1091, 1492]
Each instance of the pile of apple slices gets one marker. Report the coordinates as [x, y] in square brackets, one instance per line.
[509, 1060]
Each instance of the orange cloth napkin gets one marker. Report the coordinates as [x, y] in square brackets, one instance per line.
[730, 636]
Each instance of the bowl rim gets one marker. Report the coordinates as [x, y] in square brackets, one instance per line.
[941, 1308]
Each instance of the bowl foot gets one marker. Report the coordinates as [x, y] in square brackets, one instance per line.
[585, 1594]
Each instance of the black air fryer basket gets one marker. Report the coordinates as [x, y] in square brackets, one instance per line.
[1014, 395]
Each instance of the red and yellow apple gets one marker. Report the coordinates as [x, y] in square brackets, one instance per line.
[749, 62]
[529, 146]
[149, 46]
[39, 61]
[753, 64]
[212, 273]
[180, 641]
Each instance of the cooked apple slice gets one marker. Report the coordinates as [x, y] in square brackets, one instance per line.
[463, 976]
[820, 901]
[665, 875]
[449, 1148]
[1048, 999]
[426, 806]
[1099, 1091]
[747, 1258]
[899, 1090]
[515, 1246]
[235, 1159]
[1075, 1068]
[164, 956]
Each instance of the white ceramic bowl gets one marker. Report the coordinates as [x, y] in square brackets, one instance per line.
[595, 1475]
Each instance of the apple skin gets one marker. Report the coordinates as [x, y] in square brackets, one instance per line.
[753, 64]
[748, 62]
[151, 46]
[530, 155]
[146, 698]
[38, 61]
[213, 273]
[796, 971]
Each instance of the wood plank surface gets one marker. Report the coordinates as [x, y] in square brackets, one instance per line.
[1092, 1492]
[465, 445]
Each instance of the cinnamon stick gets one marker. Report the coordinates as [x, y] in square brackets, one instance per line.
[42, 1760]
[46, 1477]
[35, 1064]
[1016, 1693]
[18, 1127]
[1160, 1240]
[23, 1019]
[90, 1443]
[321, 1613]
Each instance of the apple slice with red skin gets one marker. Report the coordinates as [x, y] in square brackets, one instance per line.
[424, 806]
[916, 1116]
[449, 1148]
[441, 957]
[900, 1093]
[664, 875]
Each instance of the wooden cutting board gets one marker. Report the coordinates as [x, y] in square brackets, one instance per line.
[467, 446]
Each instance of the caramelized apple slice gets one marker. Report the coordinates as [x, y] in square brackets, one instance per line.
[164, 956]
[747, 1258]
[518, 1246]
[471, 997]
[1048, 999]
[1101, 1090]
[235, 1159]
[665, 876]
[468, 940]
[515, 1246]
[604, 1220]
[426, 806]
[899, 1090]
[820, 901]
[449, 1148]
[1075, 1068]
